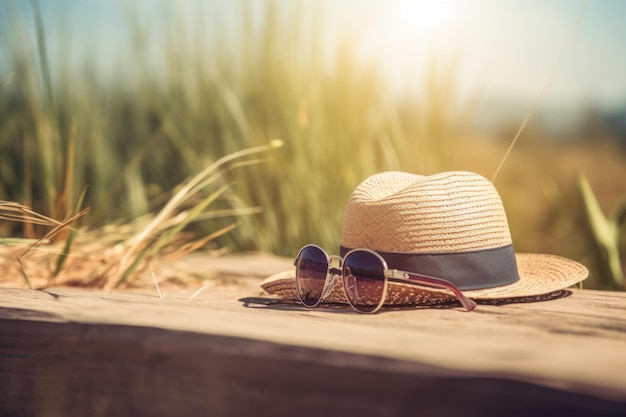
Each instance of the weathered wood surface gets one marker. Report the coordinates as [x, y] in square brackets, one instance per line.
[232, 350]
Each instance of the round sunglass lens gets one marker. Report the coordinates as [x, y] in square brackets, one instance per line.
[311, 271]
[364, 280]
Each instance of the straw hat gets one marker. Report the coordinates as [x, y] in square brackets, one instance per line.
[450, 225]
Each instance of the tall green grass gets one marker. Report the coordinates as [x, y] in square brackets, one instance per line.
[187, 94]
[603, 237]
[136, 138]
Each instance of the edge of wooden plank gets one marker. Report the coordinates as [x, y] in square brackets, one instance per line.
[52, 366]
[43, 311]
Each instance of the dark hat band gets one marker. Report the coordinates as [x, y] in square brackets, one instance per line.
[472, 270]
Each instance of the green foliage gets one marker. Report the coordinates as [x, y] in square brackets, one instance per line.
[152, 129]
[604, 233]
[135, 138]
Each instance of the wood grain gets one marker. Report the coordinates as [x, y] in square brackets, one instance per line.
[232, 350]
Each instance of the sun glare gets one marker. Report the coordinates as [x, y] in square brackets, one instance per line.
[425, 15]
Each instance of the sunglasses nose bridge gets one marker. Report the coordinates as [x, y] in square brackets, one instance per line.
[335, 262]
[334, 273]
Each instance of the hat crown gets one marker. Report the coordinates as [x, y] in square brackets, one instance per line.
[446, 212]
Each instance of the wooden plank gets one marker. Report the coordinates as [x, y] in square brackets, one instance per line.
[233, 351]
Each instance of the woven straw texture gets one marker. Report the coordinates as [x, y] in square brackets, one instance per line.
[446, 212]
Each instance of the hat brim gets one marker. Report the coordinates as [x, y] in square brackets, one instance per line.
[541, 277]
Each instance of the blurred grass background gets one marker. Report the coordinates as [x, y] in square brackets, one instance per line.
[129, 138]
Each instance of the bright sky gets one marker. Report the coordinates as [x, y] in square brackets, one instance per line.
[505, 49]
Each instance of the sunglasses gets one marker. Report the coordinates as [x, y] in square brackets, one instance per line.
[364, 275]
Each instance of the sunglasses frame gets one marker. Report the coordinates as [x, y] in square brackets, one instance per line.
[390, 275]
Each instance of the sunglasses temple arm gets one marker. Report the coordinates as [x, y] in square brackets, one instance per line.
[437, 282]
